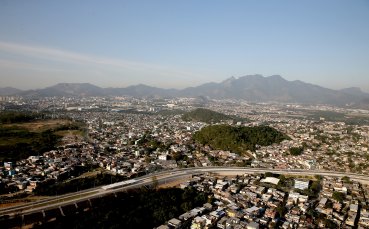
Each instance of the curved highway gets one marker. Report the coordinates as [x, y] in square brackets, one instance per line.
[161, 178]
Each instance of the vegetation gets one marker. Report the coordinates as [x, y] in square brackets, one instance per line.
[151, 144]
[138, 209]
[313, 190]
[17, 144]
[208, 116]
[238, 139]
[334, 116]
[171, 112]
[339, 196]
[23, 135]
[346, 179]
[296, 151]
[15, 117]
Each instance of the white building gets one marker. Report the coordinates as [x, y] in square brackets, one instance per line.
[301, 184]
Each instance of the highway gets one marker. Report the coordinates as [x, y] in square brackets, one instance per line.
[161, 177]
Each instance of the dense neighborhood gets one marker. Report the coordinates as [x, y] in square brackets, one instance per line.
[130, 137]
[270, 200]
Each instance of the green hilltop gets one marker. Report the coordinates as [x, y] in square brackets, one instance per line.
[238, 139]
[208, 116]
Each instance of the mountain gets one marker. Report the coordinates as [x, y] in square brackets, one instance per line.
[354, 91]
[257, 88]
[254, 88]
[68, 89]
[141, 90]
[9, 91]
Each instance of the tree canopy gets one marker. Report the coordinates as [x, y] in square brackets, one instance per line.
[296, 151]
[208, 116]
[238, 139]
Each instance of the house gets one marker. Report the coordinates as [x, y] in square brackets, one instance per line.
[222, 223]
[323, 202]
[252, 225]
[198, 223]
[270, 180]
[364, 218]
[176, 223]
[163, 157]
[251, 212]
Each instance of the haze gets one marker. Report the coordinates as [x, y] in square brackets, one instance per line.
[180, 44]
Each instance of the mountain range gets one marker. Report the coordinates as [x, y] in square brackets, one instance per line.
[254, 88]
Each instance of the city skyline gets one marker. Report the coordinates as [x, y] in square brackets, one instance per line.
[182, 44]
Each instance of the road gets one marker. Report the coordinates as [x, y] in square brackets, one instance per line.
[161, 177]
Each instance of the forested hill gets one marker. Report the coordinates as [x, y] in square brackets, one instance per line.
[238, 139]
[208, 116]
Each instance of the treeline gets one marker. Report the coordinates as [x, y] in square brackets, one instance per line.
[16, 117]
[238, 139]
[136, 209]
[71, 126]
[208, 116]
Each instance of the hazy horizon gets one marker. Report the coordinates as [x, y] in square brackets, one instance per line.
[179, 88]
[181, 44]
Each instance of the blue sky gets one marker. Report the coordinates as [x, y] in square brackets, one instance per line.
[183, 43]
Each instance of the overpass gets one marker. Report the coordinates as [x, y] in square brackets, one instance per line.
[82, 200]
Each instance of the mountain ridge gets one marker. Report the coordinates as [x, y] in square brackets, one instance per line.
[254, 88]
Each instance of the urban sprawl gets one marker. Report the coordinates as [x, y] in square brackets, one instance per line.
[135, 136]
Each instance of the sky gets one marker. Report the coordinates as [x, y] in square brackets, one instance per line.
[176, 44]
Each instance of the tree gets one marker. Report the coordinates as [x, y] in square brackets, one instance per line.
[345, 179]
[296, 151]
[281, 210]
[318, 177]
[339, 196]
[269, 174]
[315, 186]
[329, 223]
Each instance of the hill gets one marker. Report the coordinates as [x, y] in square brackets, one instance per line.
[208, 116]
[238, 139]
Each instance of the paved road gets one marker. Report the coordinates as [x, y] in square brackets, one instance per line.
[161, 177]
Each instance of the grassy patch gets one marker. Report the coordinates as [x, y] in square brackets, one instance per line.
[65, 133]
